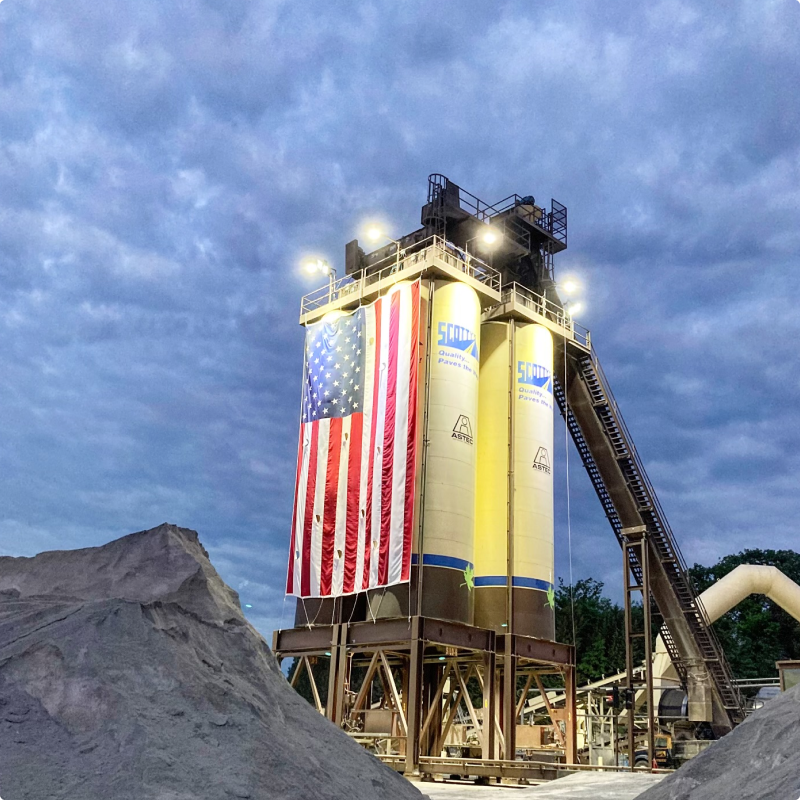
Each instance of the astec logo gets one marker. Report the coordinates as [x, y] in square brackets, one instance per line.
[458, 337]
[534, 375]
[542, 460]
[462, 430]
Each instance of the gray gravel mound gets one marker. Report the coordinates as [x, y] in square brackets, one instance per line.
[128, 672]
[759, 760]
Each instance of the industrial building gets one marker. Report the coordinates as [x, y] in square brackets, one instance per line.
[422, 538]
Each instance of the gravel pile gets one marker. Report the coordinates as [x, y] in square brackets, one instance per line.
[128, 672]
[759, 760]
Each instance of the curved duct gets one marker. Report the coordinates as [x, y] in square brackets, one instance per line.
[728, 592]
[748, 579]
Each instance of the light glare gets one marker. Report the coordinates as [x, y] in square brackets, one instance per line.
[374, 233]
[569, 287]
[318, 265]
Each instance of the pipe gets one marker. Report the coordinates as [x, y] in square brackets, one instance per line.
[728, 592]
[748, 579]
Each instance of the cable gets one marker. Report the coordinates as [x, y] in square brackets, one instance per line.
[305, 612]
[369, 608]
[569, 519]
[353, 609]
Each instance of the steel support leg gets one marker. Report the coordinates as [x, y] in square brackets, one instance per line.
[635, 549]
[414, 701]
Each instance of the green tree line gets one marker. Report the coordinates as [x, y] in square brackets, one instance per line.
[754, 635]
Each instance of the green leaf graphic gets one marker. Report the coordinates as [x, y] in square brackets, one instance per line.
[469, 575]
[551, 598]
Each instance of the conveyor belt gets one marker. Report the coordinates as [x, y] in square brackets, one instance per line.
[628, 499]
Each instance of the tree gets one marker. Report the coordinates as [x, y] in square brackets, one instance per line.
[599, 628]
[757, 632]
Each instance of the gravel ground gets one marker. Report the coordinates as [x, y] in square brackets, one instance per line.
[580, 786]
[128, 672]
[759, 760]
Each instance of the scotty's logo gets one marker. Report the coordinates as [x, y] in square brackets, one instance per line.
[458, 337]
[536, 375]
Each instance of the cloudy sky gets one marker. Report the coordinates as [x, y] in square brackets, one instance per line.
[165, 166]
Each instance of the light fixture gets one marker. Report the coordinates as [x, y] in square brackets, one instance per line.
[569, 286]
[574, 308]
[318, 265]
[489, 237]
[376, 233]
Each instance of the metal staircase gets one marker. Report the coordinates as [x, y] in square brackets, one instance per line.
[628, 499]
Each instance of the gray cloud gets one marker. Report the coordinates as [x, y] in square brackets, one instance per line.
[162, 170]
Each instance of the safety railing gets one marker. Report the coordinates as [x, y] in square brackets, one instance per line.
[426, 252]
[547, 308]
[553, 222]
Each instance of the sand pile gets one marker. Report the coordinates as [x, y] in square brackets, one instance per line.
[760, 759]
[128, 672]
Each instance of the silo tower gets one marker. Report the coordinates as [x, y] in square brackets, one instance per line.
[422, 533]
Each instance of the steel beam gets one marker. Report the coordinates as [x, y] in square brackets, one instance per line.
[426, 652]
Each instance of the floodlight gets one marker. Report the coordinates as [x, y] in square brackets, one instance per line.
[318, 265]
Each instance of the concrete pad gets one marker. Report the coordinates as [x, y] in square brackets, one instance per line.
[579, 786]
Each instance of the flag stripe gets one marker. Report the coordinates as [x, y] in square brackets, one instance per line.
[366, 441]
[399, 465]
[300, 504]
[371, 458]
[377, 468]
[398, 471]
[411, 440]
[324, 428]
[340, 523]
[311, 460]
[292, 544]
[332, 497]
[387, 482]
[353, 496]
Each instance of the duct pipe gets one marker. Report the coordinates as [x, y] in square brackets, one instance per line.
[748, 579]
[728, 592]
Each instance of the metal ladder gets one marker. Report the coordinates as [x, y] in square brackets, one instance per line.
[659, 532]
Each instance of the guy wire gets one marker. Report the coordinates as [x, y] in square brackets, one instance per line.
[569, 520]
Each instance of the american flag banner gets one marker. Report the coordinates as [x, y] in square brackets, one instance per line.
[356, 460]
